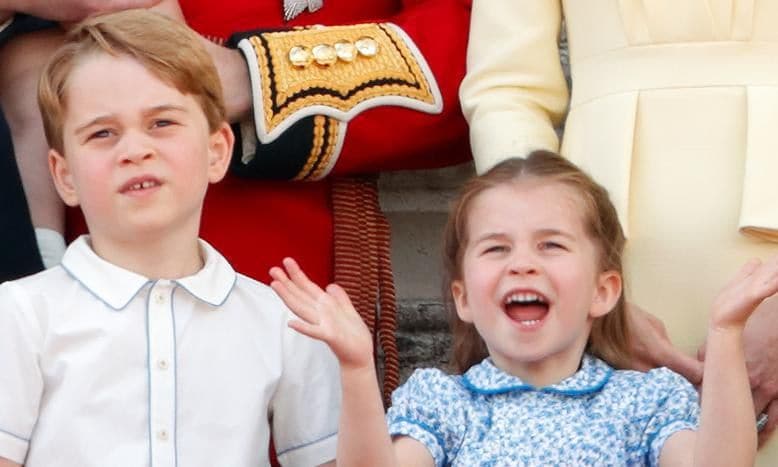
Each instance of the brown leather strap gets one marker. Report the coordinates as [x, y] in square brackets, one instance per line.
[363, 267]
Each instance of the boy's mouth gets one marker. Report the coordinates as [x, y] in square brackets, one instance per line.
[139, 184]
[527, 308]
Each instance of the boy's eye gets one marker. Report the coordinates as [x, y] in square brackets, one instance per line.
[99, 134]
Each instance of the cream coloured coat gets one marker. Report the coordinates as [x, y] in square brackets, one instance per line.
[674, 109]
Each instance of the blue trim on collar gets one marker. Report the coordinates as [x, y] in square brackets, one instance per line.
[487, 379]
[14, 435]
[117, 287]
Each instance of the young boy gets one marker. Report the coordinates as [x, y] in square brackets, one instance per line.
[145, 347]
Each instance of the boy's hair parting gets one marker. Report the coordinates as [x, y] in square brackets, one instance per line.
[165, 47]
[609, 338]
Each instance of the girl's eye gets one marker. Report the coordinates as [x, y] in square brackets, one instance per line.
[495, 249]
[162, 123]
[551, 245]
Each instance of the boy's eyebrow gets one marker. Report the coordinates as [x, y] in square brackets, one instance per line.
[150, 111]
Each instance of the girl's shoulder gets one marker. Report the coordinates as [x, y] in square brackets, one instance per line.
[434, 383]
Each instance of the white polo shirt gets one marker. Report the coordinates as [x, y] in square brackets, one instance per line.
[102, 367]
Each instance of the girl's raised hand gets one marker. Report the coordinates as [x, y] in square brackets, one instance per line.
[326, 315]
[755, 282]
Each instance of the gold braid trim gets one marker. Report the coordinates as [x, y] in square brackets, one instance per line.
[394, 71]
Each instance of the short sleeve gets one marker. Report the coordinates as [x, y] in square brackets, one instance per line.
[20, 376]
[306, 405]
[431, 408]
[675, 408]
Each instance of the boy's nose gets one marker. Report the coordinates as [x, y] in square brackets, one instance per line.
[135, 149]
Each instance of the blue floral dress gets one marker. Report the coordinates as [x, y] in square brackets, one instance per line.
[598, 416]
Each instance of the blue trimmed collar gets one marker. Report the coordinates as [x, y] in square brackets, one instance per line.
[116, 287]
[485, 378]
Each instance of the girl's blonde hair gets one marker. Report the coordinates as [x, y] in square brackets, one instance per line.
[168, 49]
[609, 338]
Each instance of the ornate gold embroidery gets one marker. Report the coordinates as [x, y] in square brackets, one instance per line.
[342, 85]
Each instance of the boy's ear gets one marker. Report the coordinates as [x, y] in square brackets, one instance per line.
[63, 178]
[460, 301]
[220, 145]
[606, 294]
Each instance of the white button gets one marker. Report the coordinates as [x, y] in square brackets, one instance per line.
[159, 298]
[162, 435]
[162, 364]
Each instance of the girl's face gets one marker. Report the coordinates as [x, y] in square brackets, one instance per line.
[530, 283]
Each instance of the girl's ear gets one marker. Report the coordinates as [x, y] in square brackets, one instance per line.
[606, 293]
[63, 178]
[220, 152]
[460, 301]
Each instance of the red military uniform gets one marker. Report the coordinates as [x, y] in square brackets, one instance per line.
[256, 223]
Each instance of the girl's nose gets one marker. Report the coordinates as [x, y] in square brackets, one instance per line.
[523, 263]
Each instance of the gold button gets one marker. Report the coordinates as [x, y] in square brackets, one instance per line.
[300, 56]
[346, 51]
[324, 54]
[159, 298]
[366, 46]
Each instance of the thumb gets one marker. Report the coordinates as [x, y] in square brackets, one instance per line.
[687, 366]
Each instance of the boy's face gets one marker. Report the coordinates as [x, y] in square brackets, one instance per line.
[138, 153]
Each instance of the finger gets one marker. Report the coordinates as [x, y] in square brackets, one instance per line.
[341, 297]
[772, 422]
[300, 306]
[300, 279]
[292, 287]
[701, 351]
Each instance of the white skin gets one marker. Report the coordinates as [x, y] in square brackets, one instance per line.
[23, 59]
[501, 256]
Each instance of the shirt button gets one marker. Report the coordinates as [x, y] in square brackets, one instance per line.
[162, 364]
[159, 298]
[162, 435]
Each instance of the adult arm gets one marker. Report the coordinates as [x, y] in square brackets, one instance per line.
[514, 93]
[377, 127]
[68, 10]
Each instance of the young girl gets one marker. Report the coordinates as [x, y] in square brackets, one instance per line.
[533, 250]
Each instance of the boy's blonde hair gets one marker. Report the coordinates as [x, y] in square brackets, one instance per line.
[609, 338]
[168, 49]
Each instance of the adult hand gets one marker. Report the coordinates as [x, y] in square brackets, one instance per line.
[760, 342]
[234, 75]
[651, 347]
[69, 10]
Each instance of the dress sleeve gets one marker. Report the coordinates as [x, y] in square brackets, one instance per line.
[430, 408]
[514, 93]
[306, 406]
[675, 406]
[391, 104]
[21, 380]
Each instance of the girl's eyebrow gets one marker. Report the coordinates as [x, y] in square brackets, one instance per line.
[549, 232]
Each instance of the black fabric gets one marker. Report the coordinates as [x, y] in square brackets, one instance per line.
[19, 254]
[18, 249]
[282, 159]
